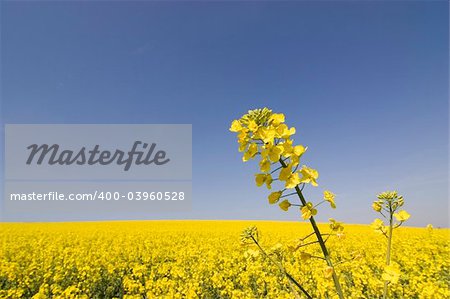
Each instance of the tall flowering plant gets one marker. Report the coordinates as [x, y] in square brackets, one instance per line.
[388, 205]
[263, 135]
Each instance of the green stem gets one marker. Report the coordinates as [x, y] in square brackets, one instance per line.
[388, 251]
[326, 255]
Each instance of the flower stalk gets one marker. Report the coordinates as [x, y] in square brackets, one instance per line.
[388, 251]
[387, 205]
[318, 234]
[264, 135]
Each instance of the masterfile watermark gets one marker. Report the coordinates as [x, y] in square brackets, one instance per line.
[101, 152]
[52, 154]
[91, 172]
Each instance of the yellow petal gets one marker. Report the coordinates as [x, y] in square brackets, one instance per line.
[284, 205]
[235, 126]
[260, 179]
[274, 197]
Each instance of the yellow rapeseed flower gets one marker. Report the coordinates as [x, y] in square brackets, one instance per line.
[285, 173]
[377, 224]
[265, 134]
[309, 175]
[335, 225]
[388, 195]
[235, 126]
[273, 152]
[304, 256]
[264, 165]
[308, 211]
[283, 131]
[284, 205]
[263, 178]
[287, 147]
[376, 206]
[391, 273]
[276, 118]
[252, 126]
[402, 216]
[274, 197]
[291, 179]
[299, 150]
[251, 253]
[328, 272]
[251, 152]
[329, 196]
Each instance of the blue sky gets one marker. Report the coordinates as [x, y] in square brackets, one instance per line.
[365, 84]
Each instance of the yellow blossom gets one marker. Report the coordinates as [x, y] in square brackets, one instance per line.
[285, 173]
[378, 225]
[309, 175]
[276, 248]
[283, 131]
[340, 236]
[251, 253]
[243, 137]
[243, 146]
[273, 152]
[299, 150]
[274, 197]
[291, 179]
[288, 133]
[329, 196]
[376, 206]
[308, 211]
[252, 126]
[262, 178]
[304, 256]
[336, 226]
[265, 134]
[235, 126]
[251, 152]
[287, 147]
[402, 216]
[276, 118]
[391, 273]
[284, 205]
[328, 272]
[264, 165]
[389, 195]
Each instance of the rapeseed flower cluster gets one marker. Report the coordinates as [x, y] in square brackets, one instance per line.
[263, 134]
[388, 205]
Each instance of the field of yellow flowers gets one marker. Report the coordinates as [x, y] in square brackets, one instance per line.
[205, 259]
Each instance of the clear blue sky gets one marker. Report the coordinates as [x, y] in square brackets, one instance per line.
[365, 83]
